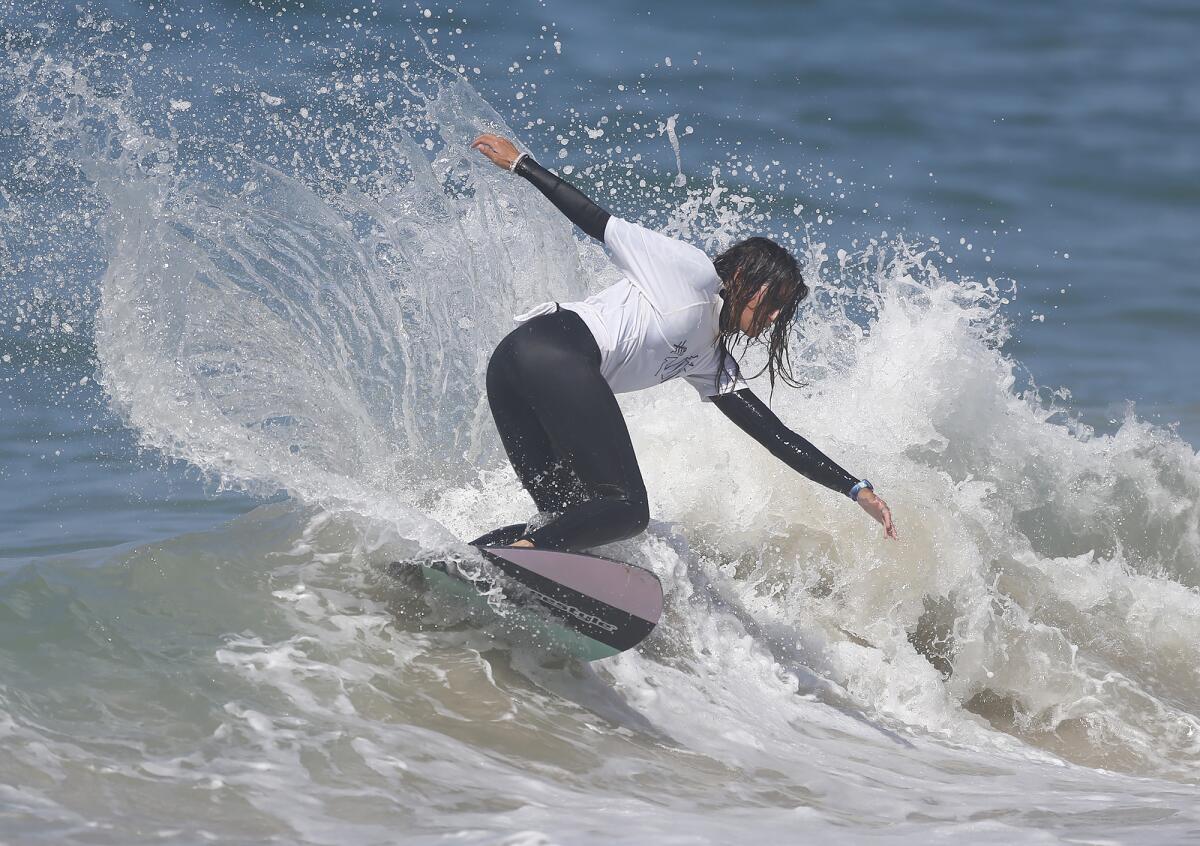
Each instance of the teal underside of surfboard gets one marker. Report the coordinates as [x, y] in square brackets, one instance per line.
[538, 626]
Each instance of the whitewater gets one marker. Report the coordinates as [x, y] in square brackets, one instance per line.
[301, 311]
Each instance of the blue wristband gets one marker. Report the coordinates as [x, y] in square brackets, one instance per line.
[857, 489]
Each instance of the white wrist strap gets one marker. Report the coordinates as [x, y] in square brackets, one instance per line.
[517, 161]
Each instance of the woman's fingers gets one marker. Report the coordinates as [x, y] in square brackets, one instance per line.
[486, 144]
[878, 509]
[500, 151]
[889, 528]
[485, 140]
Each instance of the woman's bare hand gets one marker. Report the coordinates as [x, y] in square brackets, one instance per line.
[500, 151]
[878, 509]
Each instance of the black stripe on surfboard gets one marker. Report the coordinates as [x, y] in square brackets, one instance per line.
[585, 614]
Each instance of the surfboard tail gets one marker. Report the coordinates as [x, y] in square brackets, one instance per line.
[609, 602]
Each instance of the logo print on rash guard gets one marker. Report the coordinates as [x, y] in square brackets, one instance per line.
[676, 362]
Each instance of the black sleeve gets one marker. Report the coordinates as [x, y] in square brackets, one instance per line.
[758, 421]
[569, 200]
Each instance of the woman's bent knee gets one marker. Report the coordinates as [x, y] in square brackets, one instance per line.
[640, 518]
[634, 515]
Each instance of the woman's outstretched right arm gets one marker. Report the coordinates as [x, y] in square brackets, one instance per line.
[754, 418]
[569, 200]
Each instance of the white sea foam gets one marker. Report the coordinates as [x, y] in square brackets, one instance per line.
[284, 340]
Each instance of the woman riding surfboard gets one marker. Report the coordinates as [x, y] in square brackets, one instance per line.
[551, 383]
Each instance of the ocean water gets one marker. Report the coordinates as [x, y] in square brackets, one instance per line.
[250, 275]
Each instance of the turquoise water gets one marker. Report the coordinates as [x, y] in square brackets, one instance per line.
[251, 276]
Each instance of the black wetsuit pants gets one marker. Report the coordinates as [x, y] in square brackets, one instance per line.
[565, 436]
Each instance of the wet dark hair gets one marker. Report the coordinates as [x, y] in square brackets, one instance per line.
[744, 269]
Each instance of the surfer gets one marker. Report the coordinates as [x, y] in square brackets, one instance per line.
[551, 383]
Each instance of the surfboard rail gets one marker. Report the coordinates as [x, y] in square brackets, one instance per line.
[607, 601]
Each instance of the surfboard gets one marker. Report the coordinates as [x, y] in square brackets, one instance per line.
[582, 606]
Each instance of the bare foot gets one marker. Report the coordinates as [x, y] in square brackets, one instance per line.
[524, 544]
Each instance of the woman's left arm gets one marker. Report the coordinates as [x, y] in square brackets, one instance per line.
[754, 418]
[568, 199]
